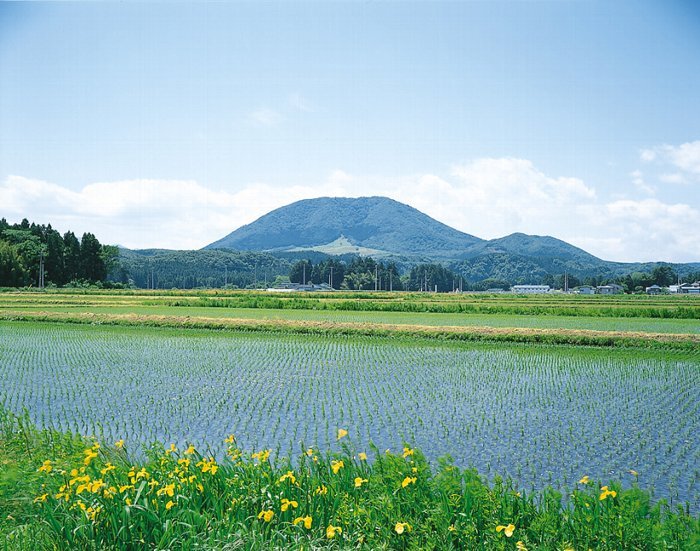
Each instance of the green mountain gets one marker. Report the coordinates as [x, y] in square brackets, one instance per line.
[386, 229]
[370, 226]
[532, 245]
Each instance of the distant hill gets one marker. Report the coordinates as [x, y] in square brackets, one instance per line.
[386, 229]
[370, 226]
[531, 245]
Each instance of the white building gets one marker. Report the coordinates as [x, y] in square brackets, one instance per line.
[610, 289]
[530, 289]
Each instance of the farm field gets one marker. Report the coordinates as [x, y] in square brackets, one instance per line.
[542, 415]
[635, 314]
[650, 325]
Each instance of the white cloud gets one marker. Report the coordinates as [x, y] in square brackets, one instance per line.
[647, 155]
[640, 184]
[684, 158]
[265, 116]
[175, 214]
[485, 197]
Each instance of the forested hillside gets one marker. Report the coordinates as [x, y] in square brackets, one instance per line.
[26, 247]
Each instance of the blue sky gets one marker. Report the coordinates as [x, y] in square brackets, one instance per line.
[169, 125]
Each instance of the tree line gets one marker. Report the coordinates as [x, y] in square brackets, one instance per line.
[365, 273]
[30, 252]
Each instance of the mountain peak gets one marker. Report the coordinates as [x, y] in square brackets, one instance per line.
[372, 225]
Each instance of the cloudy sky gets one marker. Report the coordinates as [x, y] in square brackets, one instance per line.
[170, 125]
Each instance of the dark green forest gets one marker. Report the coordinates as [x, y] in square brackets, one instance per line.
[33, 255]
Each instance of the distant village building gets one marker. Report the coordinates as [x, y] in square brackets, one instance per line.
[690, 288]
[530, 289]
[298, 287]
[584, 290]
[653, 290]
[610, 289]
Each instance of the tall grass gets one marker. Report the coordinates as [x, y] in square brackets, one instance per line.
[80, 494]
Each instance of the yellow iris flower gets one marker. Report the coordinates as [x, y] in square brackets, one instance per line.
[305, 520]
[507, 530]
[359, 481]
[286, 504]
[408, 480]
[604, 493]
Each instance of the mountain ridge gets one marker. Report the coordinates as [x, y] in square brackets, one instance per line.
[380, 226]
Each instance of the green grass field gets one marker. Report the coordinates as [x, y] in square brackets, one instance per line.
[395, 371]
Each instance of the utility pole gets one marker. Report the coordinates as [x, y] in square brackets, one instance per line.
[304, 279]
[330, 278]
[255, 277]
[376, 273]
[225, 276]
[41, 270]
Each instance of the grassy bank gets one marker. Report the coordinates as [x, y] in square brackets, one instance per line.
[61, 491]
[689, 342]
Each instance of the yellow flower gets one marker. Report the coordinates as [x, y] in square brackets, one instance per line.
[171, 449]
[359, 481]
[332, 531]
[123, 489]
[169, 505]
[336, 466]
[168, 489]
[408, 480]
[362, 456]
[341, 433]
[286, 504]
[604, 493]
[261, 456]
[321, 491]
[407, 452]
[107, 468]
[306, 520]
[507, 530]
[451, 528]
[289, 476]
[230, 439]
[119, 444]
[520, 546]
[309, 452]
[401, 527]
[266, 515]
[89, 456]
[41, 498]
[46, 467]
[190, 450]
[584, 480]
